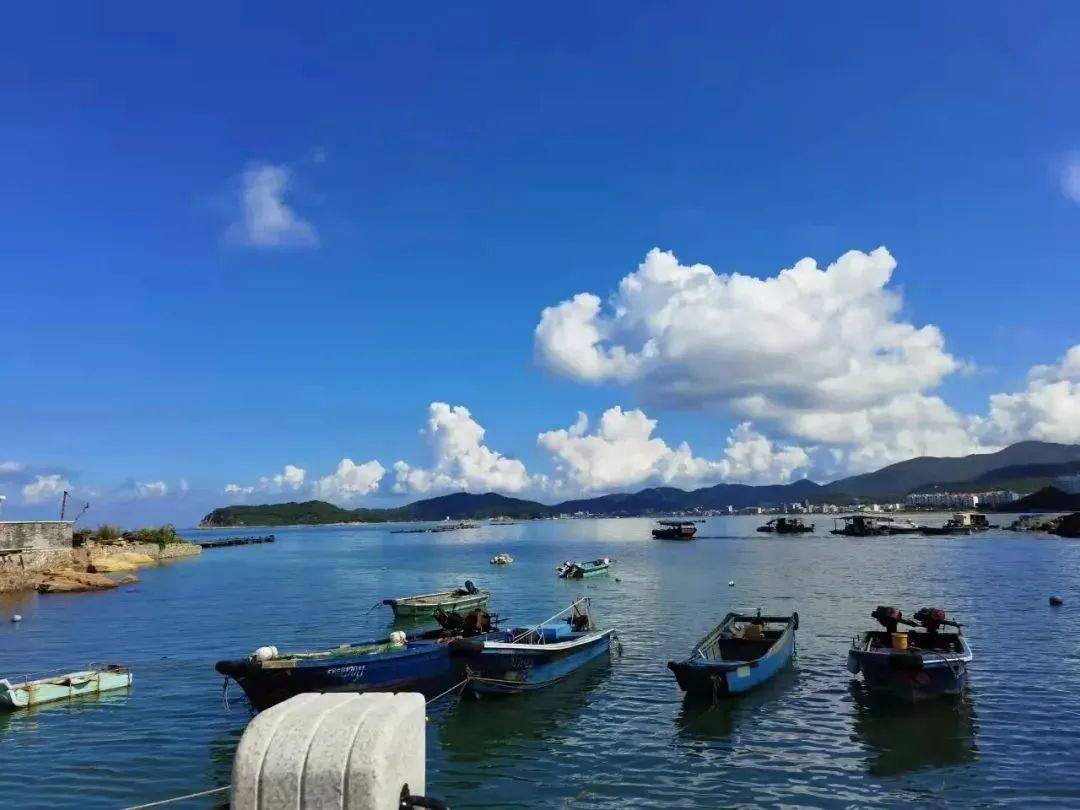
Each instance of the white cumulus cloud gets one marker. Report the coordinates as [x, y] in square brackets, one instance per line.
[264, 218]
[44, 488]
[350, 481]
[238, 489]
[1047, 410]
[150, 489]
[623, 452]
[1070, 177]
[462, 460]
[820, 355]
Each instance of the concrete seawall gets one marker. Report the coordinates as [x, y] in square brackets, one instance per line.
[30, 548]
[38, 535]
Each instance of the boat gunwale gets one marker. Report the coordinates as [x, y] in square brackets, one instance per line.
[699, 659]
[555, 646]
[450, 597]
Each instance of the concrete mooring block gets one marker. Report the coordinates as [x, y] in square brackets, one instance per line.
[342, 751]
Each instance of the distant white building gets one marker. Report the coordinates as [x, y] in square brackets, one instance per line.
[942, 500]
[1068, 483]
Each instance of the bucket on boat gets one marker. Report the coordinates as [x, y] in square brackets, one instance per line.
[899, 641]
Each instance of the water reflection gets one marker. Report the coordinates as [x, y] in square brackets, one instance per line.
[28, 720]
[701, 718]
[903, 738]
[470, 730]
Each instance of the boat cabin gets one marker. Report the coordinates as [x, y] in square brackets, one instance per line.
[861, 525]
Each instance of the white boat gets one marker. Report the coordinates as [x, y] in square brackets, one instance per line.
[62, 687]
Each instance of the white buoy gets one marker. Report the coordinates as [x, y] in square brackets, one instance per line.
[16, 618]
[731, 584]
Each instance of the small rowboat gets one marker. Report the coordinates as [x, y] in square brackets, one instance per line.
[912, 665]
[44, 690]
[675, 530]
[575, 570]
[526, 659]
[740, 653]
[425, 605]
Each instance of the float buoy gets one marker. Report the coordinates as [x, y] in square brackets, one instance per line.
[731, 584]
[1057, 601]
[16, 618]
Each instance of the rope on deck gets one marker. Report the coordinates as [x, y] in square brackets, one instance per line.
[198, 795]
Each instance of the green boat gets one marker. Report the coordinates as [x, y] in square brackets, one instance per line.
[425, 605]
[62, 687]
[575, 570]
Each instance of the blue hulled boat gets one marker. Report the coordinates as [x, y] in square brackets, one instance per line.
[914, 664]
[741, 652]
[400, 663]
[526, 659]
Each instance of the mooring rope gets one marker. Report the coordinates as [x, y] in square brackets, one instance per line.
[448, 691]
[198, 795]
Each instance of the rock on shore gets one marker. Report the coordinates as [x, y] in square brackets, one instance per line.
[119, 563]
[68, 580]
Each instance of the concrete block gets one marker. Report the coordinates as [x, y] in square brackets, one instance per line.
[338, 751]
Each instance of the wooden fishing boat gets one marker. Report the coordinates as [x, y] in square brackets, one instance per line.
[786, 525]
[399, 663]
[912, 664]
[527, 659]
[461, 600]
[675, 530]
[960, 523]
[576, 570]
[61, 687]
[741, 652]
[861, 526]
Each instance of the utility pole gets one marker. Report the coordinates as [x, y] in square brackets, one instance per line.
[63, 504]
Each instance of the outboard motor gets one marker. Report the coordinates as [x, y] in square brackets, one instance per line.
[932, 619]
[888, 617]
[471, 589]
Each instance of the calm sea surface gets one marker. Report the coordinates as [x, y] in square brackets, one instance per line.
[617, 734]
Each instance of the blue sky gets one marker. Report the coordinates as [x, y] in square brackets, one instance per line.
[446, 174]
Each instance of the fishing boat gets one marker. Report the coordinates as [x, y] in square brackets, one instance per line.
[861, 526]
[581, 570]
[675, 530]
[913, 664]
[502, 559]
[786, 525]
[91, 680]
[460, 600]
[961, 523]
[399, 663]
[527, 659]
[740, 653]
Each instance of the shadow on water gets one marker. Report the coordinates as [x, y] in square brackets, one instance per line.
[903, 738]
[470, 730]
[703, 718]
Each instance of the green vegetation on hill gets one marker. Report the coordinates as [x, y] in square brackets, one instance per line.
[458, 506]
[1022, 467]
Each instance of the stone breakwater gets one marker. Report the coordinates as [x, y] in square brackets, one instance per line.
[86, 568]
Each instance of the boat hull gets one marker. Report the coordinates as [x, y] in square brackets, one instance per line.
[673, 534]
[405, 609]
[89, 682]
[703, 677]
[425, 668]
[911, 676]
[496, 668]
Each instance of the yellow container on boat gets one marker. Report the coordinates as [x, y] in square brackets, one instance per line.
[899, 641]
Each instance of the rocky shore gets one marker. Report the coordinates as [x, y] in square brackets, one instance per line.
[92, 567]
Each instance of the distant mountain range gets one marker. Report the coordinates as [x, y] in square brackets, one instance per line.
[1024, 467]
